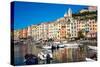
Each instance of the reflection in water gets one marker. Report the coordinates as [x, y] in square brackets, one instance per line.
[60, 55]
[18, 54]
[69, 55]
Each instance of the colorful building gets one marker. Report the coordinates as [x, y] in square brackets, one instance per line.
[92, 29]
[29, 31]
[60, 29]
[34, 32]
[24, 33]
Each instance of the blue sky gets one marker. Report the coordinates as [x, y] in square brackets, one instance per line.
[28, 13]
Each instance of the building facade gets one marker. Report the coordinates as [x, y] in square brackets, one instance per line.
[61, 29]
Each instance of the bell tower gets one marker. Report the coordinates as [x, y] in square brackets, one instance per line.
[65, 15]
[69, 12]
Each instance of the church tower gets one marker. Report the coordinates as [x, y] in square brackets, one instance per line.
[69, 12]
[65, 15]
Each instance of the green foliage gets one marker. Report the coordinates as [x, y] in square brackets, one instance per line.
[80, 34]
[86, 15]
[49, 40]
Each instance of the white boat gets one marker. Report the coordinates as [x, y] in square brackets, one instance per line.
[46, 47]
[93, 47]
[42, 55]
[61, 45]
[72, 45]
[56, 42]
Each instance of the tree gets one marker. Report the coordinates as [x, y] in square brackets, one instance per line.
[80, 34]
[50, 40]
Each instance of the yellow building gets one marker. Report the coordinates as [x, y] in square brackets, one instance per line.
[34, 32]
[20, 33]
[15, 34]
[62, 29]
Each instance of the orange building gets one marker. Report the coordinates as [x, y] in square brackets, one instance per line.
[24, 33]
[20, 33]
[62, 34]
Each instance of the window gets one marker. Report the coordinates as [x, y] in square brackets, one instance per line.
[67, 26]
[90, 28]
[68, 29]
[74, 27]
[72, 34]
[75, 34]
[75, 23]
[63, 26]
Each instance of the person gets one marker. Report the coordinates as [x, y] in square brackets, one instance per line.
[48, 59]
[57, 47]
[53, 48]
